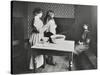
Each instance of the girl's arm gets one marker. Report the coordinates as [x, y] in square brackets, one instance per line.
[44, 28]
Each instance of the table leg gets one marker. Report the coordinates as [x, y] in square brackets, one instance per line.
[34, 64]
[69, 68]
[70, 61]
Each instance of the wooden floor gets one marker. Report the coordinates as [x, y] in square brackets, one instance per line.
[61, 65]
[81, 62]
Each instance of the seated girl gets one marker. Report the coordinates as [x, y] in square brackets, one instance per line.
[51, 30]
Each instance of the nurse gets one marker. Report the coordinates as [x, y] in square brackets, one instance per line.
[36, 36]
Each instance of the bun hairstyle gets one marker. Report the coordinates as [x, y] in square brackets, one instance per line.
[37, 11]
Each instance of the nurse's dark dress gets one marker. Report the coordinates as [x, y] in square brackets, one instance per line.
[85, 36]
[79, 57]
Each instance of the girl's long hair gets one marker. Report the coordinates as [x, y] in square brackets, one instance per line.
[48, 16]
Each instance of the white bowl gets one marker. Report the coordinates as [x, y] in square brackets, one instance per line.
[58, 38]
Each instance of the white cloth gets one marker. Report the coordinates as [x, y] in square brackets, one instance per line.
[39, 61]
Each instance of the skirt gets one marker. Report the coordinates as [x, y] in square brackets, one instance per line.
[35, 39]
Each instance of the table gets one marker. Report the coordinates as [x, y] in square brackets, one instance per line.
[64, 48]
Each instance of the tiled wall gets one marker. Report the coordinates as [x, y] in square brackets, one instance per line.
[60, 10]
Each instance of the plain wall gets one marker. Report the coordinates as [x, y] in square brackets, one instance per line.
[18, 24]
[19, 10]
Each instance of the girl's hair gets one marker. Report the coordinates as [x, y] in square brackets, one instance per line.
[48, 16]
[37, 11]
